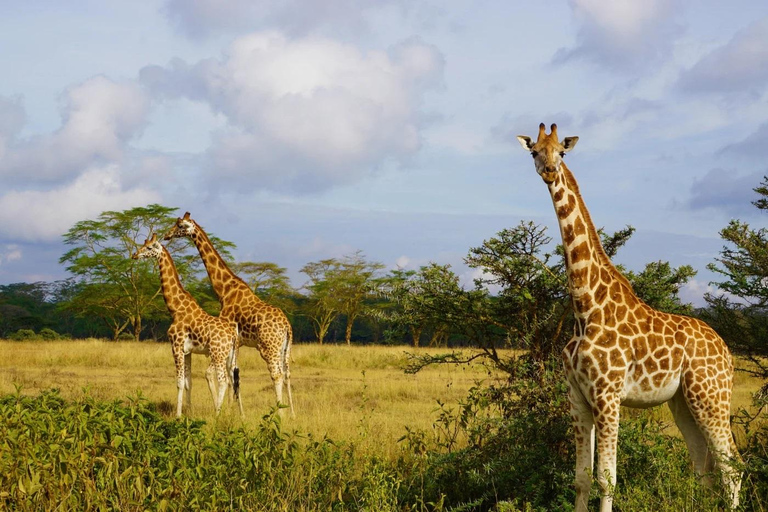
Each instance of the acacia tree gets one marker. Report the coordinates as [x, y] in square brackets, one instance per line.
[110, 285]
[321, 305]
[521, 298]
[739, 311]
[353, 283]
[339, 287]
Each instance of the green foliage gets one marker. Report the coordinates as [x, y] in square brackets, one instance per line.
[92, 455]
[519, 454]
[339, 287]
[659, 284]
[23, 335]
[28, 334]
[740, 312]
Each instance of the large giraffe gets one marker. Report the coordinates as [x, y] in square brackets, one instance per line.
[261, 325]
[623, 352]
[193, 331]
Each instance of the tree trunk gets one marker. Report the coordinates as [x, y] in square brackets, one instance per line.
[348, 331]
[416, 335]
[137, 328]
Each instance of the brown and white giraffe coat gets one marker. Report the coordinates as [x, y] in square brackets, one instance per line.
[193, 331]
[623, 352]
[261, 325]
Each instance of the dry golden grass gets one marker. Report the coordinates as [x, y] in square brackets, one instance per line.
[347, 393]
[352, 393]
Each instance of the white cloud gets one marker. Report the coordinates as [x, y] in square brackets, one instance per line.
[306, 114]
[34, 215]
[623, 34]
[10, 252]
[740, 66]
[99, 117]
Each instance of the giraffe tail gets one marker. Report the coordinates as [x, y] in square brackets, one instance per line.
[236, 381]
[235, 368]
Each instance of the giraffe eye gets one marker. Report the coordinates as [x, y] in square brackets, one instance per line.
[562, 154]
[534, 154]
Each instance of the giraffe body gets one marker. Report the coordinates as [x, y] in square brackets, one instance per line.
[260, 325]
[193, 331]
[623, 352]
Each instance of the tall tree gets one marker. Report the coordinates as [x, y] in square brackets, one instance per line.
[353, 284]
[739, 311]
[321, 305]
[111, 286]
[339, 287]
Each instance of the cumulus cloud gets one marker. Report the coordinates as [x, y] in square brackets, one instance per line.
[99, 117]
[200, 18]
[306, 114]
[43, 216]
[738, 67]
[622, 34]
[722, 189]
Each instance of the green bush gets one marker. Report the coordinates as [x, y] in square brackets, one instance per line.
[23, 335]
[520, 455]
[92, 455]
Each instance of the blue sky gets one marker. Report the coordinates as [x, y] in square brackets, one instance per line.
[303, 130]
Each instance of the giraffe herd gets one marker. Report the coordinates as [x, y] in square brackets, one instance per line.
[622, 353]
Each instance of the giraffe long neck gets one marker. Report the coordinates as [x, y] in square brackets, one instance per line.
[222, 278]
[176, 297]
[587, 265]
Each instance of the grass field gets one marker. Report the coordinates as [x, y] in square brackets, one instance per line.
[339, 391]
[356, 393]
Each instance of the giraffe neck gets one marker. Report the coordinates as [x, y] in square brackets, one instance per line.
[176, 297]
[222, 278]
[587, 264]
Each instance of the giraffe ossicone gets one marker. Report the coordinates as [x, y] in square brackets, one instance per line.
[260, 325]
[193, 331]
[623, 352]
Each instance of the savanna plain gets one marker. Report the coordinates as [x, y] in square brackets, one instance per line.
[339, 391]
[355, 442]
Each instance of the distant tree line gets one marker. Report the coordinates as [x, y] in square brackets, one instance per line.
[519, 300]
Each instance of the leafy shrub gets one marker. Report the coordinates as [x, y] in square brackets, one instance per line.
[92, 455]
[48, 334]
[23, 335]
[519, 455]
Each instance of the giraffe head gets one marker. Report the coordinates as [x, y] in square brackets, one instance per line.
[547, 151]
[184, 227]
[150, 249]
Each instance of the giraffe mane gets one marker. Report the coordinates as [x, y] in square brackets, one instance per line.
[594, 238]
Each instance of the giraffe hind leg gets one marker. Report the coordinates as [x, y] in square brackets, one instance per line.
[210, 377]
[714, 422]
[286, 357]
[694, 439]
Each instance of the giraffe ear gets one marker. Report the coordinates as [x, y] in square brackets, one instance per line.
[153, 238]
[526, 142]
[569, 143]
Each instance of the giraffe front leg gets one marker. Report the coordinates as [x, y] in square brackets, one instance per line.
[584, 434]
[223, 379]
[188, 380]
[178, 359]
[607, 427]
